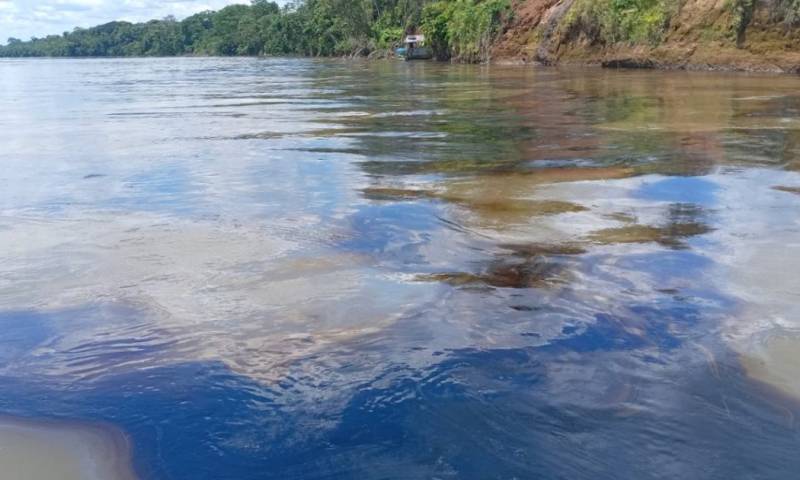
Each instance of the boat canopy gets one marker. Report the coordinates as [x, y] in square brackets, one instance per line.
[415, 39]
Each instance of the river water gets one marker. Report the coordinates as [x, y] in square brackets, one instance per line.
[299, 269]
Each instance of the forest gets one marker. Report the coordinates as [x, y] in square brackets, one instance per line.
[458, 29]
[731, 34]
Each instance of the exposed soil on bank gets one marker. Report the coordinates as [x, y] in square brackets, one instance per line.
[700, 35]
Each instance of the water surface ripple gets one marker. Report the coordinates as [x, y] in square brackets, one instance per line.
[301, 269]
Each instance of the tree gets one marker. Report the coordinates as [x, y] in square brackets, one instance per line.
[302, 27]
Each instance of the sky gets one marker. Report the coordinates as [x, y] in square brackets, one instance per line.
[26, 18]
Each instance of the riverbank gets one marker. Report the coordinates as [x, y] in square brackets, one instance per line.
[690, 57]
[731, 35]
[46, 450]
[690, 35]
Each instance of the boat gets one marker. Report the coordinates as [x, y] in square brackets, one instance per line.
[414, 49]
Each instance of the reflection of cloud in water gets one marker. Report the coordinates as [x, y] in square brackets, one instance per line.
[256, 307]
[187, 290]
[758, 264]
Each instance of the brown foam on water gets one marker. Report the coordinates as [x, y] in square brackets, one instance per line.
[48, 450]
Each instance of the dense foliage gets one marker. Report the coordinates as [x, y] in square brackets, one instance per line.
[742, 11]
[611, 21]
[784, 11]
[789, 11]
[463, 29]
[648, 21]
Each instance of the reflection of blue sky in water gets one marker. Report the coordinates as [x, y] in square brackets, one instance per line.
[680, 190]
[472, 413]
[266, 276]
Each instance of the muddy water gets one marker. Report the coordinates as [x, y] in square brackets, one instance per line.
[307, 269]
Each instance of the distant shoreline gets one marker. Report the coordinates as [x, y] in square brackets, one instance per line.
[705, 36]
[604, 61]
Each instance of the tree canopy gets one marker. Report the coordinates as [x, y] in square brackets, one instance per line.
[304, 27]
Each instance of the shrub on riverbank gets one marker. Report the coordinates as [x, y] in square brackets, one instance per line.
[464, 29]
[614, 21]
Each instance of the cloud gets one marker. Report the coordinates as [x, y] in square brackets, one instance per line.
[27, 18]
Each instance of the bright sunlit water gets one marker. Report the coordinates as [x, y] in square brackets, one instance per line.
[297, 269]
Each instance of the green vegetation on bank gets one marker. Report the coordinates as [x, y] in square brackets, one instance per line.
[742, 11]
[647, 22]
[463, 29]
[612, 21]
[783, 11]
